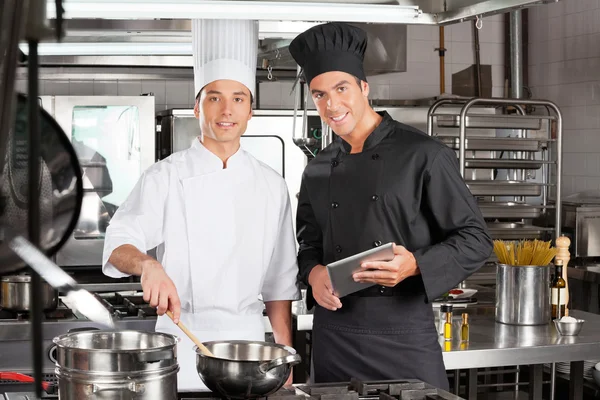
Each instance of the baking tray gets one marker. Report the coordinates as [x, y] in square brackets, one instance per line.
[528, 122]
[516, 231]
[504, 163]
[504, 188]
[511, 210]
[495, 143]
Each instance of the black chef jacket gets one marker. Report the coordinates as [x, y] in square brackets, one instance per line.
[404, 187]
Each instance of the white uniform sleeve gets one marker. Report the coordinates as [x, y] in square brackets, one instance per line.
[281, 279]
[139, 220]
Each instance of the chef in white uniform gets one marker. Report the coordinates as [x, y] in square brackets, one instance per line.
[221, 219]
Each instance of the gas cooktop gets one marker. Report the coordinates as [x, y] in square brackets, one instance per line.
[408, 389]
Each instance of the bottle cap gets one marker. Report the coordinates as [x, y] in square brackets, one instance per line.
[446, 308]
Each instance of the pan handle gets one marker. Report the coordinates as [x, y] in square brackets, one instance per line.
[291, 359]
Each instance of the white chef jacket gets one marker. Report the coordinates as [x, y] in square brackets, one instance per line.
[225, 236]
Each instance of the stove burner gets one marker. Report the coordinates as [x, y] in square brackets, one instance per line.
[407, 389]
[61, 312]
[127, 306]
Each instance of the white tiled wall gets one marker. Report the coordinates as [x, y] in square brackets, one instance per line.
[419, 81]
[422, 78]
[564, 58]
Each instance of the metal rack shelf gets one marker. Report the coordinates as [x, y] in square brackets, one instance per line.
[504, 163]
[504, 188]
[507, 210]
[496, 121]
[496, 143]
[505, 199]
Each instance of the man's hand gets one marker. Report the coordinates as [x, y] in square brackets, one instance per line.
[389, 273]
[318, 279]
[159, 289]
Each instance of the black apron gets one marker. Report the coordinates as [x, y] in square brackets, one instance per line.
[378, 338]
[404, 187]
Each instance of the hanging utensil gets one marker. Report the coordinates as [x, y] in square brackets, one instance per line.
[79, 300]
[60, 186]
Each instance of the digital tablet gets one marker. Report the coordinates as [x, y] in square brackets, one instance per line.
[340, 272]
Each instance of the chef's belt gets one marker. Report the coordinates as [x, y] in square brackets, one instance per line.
[409, 287]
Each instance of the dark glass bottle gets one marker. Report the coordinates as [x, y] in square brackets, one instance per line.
[558, 289]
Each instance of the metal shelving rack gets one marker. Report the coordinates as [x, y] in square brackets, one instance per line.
[503, 202]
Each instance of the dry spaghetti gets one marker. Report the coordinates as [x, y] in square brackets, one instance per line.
[524, 252]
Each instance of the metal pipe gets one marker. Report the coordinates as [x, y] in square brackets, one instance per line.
[305, 112]
[296, 100]
[34, 175]
[442, 52]
[477, 58]
[13, 23]
[516, 54]
[326, 136]
[552, 380]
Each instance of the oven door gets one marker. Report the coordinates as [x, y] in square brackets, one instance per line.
[114, 140]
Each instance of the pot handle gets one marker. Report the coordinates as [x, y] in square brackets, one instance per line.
[154, 356]
[84, 329]
[291, 359]
[131, 386]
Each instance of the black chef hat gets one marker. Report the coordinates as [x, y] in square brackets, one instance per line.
[334, 46]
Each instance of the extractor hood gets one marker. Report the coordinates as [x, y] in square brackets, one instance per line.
[157, 32]
[167, 43]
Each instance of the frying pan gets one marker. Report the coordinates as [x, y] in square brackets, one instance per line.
[61, 189]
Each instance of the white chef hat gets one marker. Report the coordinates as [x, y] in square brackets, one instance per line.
[224, 49]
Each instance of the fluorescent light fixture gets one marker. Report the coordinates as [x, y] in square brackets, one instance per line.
[111, 49]
[282, 29]
[225, 9]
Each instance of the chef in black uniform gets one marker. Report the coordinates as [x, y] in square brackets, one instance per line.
[379, 181]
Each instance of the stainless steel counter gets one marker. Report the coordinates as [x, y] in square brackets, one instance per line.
[493, 344]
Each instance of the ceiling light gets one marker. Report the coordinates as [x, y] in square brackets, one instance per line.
[111, 49]
[225, 9]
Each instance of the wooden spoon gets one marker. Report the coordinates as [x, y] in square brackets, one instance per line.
[193, 338]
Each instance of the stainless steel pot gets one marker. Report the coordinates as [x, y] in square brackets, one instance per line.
[245, 369]
[523, 294]
[15, 294]
[116, 365]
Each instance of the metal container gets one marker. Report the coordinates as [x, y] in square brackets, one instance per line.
[523, 294]
[569, 328]
[245, 369]
[581, 216]
[15, 294]
[122, 365]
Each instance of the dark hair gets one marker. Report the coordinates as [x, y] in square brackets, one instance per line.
[251, 96]
[358, 81]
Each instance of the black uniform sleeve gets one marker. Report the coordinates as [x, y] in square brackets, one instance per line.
[309, 235]
[466, 244]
